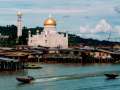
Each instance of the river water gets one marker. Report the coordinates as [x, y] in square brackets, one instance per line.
[64, 77]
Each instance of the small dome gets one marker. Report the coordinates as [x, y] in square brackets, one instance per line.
[50, 22]
[19, 13]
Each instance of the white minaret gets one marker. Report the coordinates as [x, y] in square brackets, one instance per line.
[29, 34]
[19, 24]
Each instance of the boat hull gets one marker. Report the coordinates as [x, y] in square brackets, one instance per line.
[25, 79]
[32, 66]
[111, 76]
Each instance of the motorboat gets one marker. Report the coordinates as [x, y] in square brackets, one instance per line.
[25, 79]
[32, 66]
[111, 76]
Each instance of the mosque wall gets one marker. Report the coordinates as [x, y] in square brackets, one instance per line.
[49, 37]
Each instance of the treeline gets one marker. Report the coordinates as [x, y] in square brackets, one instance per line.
[11, 31]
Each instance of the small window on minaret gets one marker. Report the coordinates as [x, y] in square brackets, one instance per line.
[45, 41]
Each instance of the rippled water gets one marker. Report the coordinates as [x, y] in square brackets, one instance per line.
[64, 77]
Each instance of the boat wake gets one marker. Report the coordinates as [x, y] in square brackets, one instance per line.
[63, 77]
[69, 77]
[44, 80]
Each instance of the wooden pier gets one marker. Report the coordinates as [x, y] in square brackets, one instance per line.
[7, 64]
[74, 60]
[59, 56]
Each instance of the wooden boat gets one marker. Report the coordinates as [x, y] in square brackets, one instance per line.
[111, 76]
[25, 79]
[32, 66]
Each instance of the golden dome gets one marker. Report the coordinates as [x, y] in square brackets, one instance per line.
[50, 22]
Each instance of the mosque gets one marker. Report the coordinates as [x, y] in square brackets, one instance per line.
[49, 37]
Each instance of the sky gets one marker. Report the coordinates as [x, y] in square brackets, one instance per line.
[96, 19]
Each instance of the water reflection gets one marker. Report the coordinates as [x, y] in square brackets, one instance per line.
[13, 73]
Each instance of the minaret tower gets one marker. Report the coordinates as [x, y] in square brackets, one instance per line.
[19, 24]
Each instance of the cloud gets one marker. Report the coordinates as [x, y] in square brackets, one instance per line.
[39, 10]
[85, 29]
[36, 7]
[100, 31]
[102, 26]
[13, 0]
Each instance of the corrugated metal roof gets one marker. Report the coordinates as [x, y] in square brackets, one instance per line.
[8, 59]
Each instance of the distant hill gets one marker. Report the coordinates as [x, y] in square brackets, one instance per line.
[11, 31]
[75, 40]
